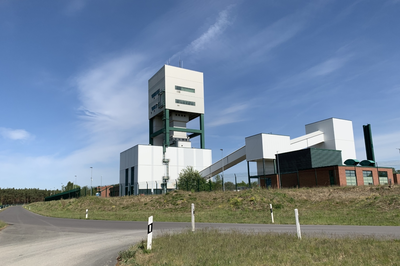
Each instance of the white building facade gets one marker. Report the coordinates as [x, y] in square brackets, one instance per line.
[175, 97]
[329, 134]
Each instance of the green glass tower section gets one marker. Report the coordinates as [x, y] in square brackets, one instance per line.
[176, 97]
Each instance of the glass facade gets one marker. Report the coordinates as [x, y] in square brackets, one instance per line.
[185, 102]
[179, 88]
[351, 179]
[383, 177]
[368, 178]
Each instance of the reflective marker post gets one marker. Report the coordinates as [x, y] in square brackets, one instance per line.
[296, 215]
[192, 217]
[272, 214]
[149, 232]
[87, 212]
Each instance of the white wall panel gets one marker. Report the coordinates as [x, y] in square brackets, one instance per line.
[268, 166]
[254, 147]
[338, 135]
[149, 167]
[273, 144]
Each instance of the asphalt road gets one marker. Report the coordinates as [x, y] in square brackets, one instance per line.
[32, 239]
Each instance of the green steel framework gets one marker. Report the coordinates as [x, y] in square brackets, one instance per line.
[167, 129]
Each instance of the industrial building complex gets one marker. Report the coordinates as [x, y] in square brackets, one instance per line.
[324, 156]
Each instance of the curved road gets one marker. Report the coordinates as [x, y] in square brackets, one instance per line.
[32, 239]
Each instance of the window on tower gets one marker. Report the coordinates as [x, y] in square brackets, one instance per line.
[155, 93]
[185, 102]
[179, 88]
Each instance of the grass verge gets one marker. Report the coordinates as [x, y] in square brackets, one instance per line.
[369, 205]
[2, 225]
[211, 247]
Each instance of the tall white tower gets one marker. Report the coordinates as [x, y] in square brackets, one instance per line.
[176, 96]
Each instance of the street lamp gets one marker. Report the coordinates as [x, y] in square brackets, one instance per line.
[91, 180]
[222, 161]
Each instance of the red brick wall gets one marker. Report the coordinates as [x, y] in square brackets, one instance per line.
[390, 174]
[396, 178]
[307, 178]
[359, 174]
[105, 191]
[274, 181]
[289, 180]
[336, 175]
[342, 175]
[320, 177]
[323, 179]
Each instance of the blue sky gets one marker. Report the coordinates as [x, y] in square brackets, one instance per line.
[73, 77]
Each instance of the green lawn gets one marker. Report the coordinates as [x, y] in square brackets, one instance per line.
[2, 224]
[369, 205]
[341, 206]
[210, 247]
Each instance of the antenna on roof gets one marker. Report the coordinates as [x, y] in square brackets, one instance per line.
[180, 63]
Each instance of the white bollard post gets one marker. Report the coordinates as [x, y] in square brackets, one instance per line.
[192, 217]
[296, 215]
[149, 232]
[87, 212]
[272, 214]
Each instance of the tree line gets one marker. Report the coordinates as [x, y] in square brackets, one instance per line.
[23, 195]
[29, 195]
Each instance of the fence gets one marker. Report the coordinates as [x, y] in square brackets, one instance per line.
[74, 193]
[227, 182]
[147, 188]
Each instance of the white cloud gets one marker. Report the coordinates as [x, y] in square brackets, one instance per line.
[15, 134]
[216, 29]
[273, 35]
[394, 1]
[257, 47]
[326, 67]
[316, 72]
[228, 115]
[113, 97]
[112, 117]
[235, 108]
[75, 6]
[209, 36]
